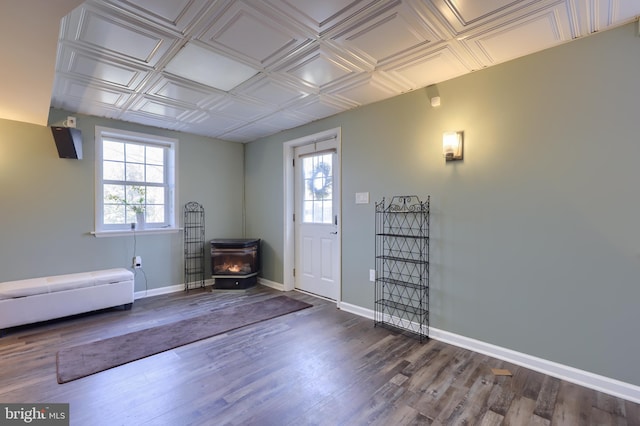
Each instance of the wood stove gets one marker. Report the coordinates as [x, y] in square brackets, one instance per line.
[235, 262]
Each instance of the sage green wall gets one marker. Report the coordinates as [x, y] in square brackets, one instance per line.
[48, 203]
[535, 238]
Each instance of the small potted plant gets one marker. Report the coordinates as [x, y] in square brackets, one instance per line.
[137, 204]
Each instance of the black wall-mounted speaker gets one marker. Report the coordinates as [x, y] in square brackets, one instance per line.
[68, 141]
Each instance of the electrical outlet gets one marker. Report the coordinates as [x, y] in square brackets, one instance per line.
[372, 275]
[137, 262]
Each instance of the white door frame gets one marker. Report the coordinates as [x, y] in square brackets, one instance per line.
[289, 197]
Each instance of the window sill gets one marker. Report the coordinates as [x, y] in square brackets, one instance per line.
[129, 232]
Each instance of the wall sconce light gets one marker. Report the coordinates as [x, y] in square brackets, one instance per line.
[452, 146]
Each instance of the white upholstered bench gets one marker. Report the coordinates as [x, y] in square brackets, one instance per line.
[40, 299]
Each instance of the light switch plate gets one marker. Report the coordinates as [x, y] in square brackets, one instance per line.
[362, 198]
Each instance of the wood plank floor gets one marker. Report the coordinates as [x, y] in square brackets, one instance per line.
[319, 366]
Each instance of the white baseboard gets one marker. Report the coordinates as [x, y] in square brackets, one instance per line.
[158, 291]
[584, 378]
[587, 379]
[166, 290]
[272, 284]
[180, 287]
[355, 309]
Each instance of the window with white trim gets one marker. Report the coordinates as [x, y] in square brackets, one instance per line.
[135, 181]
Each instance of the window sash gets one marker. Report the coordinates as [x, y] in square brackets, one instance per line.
[159, 214]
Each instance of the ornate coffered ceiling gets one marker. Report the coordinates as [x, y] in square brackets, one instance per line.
[312, 59]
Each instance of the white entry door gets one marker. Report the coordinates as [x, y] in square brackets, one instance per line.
[317, 198]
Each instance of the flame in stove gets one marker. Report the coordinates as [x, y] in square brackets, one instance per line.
[232, 267]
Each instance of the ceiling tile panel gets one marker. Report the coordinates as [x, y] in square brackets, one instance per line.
[285, 119]
[469, 12]
[254, 36]
[159, 108]
[96, 95]
[85, 65]
[176, 91]
[534, 33]
[251, 131]
[464, 15]
[83, 94]
[604, 13]
[319, 70]
[240, 108]
[309, 59]
[90, 108]
[322, 106]
[388, 33]
[112, 34]
[273, 91]
[426, 68]
[150, 119]
[211, 124]
[320, 67]
[367, 89]
[318, 17]
[177, 15]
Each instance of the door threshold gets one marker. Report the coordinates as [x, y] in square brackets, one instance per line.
[316, 295]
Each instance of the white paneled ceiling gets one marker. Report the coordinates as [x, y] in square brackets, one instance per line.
[304, 59]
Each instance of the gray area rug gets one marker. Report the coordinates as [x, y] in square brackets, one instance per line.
[82, 360]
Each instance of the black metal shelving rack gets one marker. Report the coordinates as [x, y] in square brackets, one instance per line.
[402, 265]
[193, 245]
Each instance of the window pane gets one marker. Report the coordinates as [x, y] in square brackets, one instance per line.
[131, 216]
[327, 212]
[308, 195]
[319, 182]
[113, 151]
[135, 172]
[155, 155]
[155, 195]
[114, 214]
[136, 195]
[135, 153]
[307, 167]
[307, 212]
[155, 174]
[113, 194]
[112, 170]
[317, 174]
[317, 211]
[155, 214]
[134, 177]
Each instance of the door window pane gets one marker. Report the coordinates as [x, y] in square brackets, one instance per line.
[317, 172]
